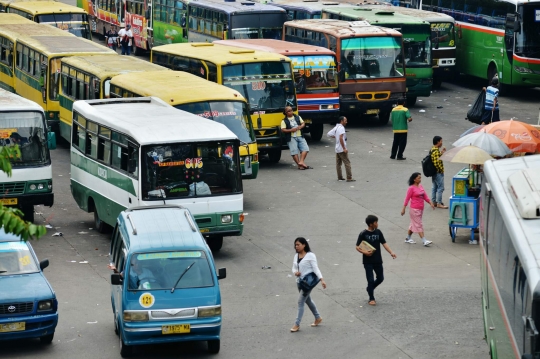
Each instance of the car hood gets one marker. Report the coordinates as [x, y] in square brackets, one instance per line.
[24, 288]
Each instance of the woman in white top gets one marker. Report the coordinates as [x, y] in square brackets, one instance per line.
[304, 263]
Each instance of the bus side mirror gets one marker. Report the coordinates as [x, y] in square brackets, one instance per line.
[51, 140]
[436, 43]
[222, 273]
[43, 264]
[116, 279]
[517, 26]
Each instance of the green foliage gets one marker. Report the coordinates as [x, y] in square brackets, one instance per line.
[10, 217]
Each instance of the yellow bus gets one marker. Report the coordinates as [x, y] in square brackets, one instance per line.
[63, 16]
[263, 78]
[200, 97]
[88, 78]
[35, 69]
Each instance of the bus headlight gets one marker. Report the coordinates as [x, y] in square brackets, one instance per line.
[135, 316]
[210, 312]
[40, 186]
[226, 218]
[32, 187]
[523, 70]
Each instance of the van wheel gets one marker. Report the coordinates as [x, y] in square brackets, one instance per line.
[46, 339]
[100, 226]
[274, 155]
[125, 350]
[316, 131]
[215, 243]
[116, 331]
[28, 211]
[213, 346]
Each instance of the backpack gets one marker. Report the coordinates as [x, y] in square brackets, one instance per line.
[428, 167]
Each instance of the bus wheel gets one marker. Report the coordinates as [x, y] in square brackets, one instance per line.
[384, 117]
[316, 131]
[437, 82]
[411, 101]
[28, 211]
[100, 226]
[215, 243]
[274, 155]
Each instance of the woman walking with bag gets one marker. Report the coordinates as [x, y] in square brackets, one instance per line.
[416, 195]
[304, 267]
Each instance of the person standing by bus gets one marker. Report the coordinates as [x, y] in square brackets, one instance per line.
[400, 118]
[491, 105]
[111, 37]
[125, 36]
[292, 126]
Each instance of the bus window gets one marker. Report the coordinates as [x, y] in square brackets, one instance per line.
[133, 160]
[212, 72]
[91, 140]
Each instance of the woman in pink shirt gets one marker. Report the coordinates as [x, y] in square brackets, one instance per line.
[416, 195]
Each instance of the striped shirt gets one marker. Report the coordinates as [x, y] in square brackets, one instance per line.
[492, 96]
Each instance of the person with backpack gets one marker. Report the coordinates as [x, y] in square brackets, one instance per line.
[437, 179]
[416, 194]
[400, 118]
[291, 127]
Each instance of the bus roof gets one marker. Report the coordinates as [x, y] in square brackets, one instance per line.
[281, 47]
[160, 228]
[342, 29]
[149, 120]
[7, 18]
[105, 66]
[69, 45]
[377, 16]
[219, 55]
[45, 7]
[20, 30]
[12, 102]
[524, 233]
[236, 7]
[311, 6]
[428, 16]
[175, 87]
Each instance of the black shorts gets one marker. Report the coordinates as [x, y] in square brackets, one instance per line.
[490, 116]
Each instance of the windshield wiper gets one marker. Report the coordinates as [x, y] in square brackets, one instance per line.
[184, 272]
[3, 271]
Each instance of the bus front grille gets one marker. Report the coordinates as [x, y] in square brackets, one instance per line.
[11, 188]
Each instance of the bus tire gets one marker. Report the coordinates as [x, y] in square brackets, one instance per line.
[316, 131]
[213, 346]
[437, 82]
[384, 117]
[28, 211]
[215, 243]
[274, 155]
[100, 226]
[411, 101]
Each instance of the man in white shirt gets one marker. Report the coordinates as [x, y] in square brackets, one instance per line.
[342, 153]
[125, 36]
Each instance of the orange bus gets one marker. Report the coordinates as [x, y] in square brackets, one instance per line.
[370, 62]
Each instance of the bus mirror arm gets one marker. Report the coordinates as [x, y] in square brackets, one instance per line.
[116, 279]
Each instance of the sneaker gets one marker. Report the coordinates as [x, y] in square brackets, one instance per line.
[351, 180]
[401, 158]
[427, 243]
[341, 179]
[410, 240]
[474, 241]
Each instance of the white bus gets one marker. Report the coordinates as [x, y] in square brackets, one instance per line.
[22, 123]
[140, 151]
[510, 266]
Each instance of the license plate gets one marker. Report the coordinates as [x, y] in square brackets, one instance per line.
[204, 230]
[12, 327]
[372, 112]
[8, 201]
[264, 145]
[175, 329]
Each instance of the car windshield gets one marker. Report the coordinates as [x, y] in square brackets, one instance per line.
[234, 115]
[443, 34]
[180, 170]
[15, 258]
[314, 73]
[26, 130]
[268, 86]
[162, 270]
[371, 57]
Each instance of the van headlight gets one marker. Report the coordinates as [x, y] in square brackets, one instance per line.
[135, 316]
[210, 311]
[45, 305]
[226, 218]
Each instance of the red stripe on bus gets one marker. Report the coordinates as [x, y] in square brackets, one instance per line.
[499, 302]
[527, 60]
[317, 95]
[481, 29]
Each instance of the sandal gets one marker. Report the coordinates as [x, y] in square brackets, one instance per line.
[372, 302]
[301, 168]
[308, 167]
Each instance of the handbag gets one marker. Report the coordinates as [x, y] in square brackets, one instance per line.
[308, 282]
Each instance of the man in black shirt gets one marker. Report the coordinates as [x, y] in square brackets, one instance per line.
[372, 259]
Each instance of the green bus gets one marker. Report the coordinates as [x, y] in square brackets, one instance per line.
[416, 42]
[496, 37]
[510, 270]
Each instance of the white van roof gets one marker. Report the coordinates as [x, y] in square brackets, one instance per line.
[12, 102]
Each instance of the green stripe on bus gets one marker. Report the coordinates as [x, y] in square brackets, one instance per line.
[6, 70]
[27, 79]
[104, 173]
[6, 87]
[66, 103]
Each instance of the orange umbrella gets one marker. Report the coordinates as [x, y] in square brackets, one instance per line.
[518, 136]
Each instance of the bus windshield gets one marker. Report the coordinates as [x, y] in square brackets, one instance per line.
[528, 40]
[26, 130]
[417, 46]
[268, 86]
[371, 57]
[442, 33]
[76, 24]
[257, 33]
[234, 115]
[179, 170]
[314, 72]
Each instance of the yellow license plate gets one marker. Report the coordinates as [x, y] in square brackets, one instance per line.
[204, 230]
[8, 201]
[264, 145]
[176, 329]
[12, 327]
[372, 112]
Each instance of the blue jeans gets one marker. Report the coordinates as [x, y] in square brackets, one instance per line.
[437, 188]
[126, 49]
[371, 282]
[310, 303]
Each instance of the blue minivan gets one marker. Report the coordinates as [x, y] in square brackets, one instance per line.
[165, 286]
[28, 305]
